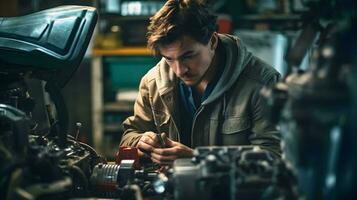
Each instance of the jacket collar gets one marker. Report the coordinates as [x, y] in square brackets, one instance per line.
[166, 82]
[165, 78]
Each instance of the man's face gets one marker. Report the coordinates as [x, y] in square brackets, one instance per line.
[188, 59]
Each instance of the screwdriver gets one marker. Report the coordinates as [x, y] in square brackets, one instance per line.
[158, 132]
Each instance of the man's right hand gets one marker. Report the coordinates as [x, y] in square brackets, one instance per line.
[147, 143]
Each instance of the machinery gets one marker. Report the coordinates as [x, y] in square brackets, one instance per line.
[42, 162]
[39, 158]
[316, 108]
[230, 172]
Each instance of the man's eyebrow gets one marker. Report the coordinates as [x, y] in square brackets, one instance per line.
[182, 55]
[186, 53]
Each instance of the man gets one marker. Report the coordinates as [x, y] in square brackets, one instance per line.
[204, 91]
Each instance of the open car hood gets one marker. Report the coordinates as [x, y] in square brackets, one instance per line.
[50, 43]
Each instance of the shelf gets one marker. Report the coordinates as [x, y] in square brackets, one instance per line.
[121, 106]
[125, 51]
[117, 16]
[115, 127]
[272, 18]
[273, 22]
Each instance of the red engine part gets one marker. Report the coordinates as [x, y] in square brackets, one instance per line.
[128, 153]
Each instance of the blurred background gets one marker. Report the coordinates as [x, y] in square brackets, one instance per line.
[102, 92]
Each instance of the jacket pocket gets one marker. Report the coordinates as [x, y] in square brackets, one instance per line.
[235, 131]
[235, 125]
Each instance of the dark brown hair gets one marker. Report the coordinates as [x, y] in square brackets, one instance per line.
[177, 18]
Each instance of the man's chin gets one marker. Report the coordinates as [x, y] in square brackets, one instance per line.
[190, 82]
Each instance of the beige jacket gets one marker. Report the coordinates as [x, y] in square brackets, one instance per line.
[233, 114]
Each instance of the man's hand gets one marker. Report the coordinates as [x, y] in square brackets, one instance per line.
[147, 143]
[171, 152]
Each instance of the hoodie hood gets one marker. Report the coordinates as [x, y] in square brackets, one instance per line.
[237, 57]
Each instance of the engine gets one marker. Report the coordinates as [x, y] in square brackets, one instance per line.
[39, 159]
[231, 172]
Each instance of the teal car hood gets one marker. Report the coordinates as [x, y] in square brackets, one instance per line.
[50, 43]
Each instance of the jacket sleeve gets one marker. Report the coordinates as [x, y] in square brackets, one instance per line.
[141, 122]
[264, 133]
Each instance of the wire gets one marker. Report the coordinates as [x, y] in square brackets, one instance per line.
[86, 146]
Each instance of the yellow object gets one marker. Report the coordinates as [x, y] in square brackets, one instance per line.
[124, 51]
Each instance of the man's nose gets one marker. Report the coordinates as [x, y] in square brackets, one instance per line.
[180, 68]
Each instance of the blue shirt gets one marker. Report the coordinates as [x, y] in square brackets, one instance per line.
[189, 107]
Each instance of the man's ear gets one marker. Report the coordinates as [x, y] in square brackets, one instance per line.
[214, 41]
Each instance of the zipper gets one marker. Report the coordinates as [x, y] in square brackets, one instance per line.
[199, 110]
[177, 131]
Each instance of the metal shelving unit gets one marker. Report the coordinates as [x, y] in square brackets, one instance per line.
[108, 115]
